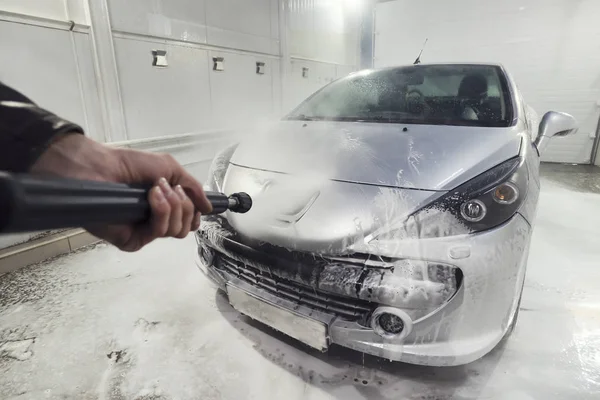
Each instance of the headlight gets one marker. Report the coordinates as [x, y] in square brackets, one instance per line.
[506, 193]
[484, 202]
[473, 210]
[218, 169]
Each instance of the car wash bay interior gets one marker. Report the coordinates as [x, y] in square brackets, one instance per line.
[187, 77]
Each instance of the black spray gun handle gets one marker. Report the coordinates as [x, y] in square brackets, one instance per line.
[29, 203]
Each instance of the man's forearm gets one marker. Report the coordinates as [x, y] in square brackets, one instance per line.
[26, 130]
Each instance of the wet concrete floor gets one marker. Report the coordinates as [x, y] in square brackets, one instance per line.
[101, 324]
[581, 178]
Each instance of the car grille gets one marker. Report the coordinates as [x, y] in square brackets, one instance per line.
[344, 307]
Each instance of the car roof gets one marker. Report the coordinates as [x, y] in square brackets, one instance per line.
[439, 65]
[462, 63]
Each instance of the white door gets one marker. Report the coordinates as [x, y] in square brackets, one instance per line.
[552, 49]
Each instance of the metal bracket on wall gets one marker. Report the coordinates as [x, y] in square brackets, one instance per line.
[159, 58]
[218, 64]
[304, 72]
[260, 68]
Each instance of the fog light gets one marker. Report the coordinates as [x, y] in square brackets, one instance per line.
[473, 210]
[391, 323]
[507, 193]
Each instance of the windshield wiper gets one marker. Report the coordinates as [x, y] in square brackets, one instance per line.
[303, 117]
[382, 118]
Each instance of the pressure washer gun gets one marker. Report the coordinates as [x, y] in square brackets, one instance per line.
[30, 203]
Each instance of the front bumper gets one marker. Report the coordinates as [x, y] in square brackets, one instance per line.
[463, 327]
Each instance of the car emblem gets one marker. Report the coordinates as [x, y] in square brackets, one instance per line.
[294, 214]
[295, 209]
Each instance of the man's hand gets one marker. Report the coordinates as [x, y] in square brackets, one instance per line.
[177, 199]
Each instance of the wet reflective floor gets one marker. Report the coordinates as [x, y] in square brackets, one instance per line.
[581, 178]
[101, 324]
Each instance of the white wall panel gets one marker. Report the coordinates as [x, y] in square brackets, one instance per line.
[89, 87]
[277, 88]
[336, 32]
[319, 75]
[52, 9]
[238, 24]
[60, 10]
[163, 101]
[243, 24]
[552, 48]
[300, 88]
[276, 8]
[343, 70]
[40, 62]
[300, 26]
[183, 20]
[242, 41]
[324, 30]
[240, 96]
[245, 16]
[78, 11]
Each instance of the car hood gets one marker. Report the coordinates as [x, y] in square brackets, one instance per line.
[310, 213]
[326, 187]
[425, 157]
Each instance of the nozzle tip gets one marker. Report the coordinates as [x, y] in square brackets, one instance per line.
[244, 202]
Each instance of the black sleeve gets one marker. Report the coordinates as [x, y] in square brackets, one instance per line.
[26, 130]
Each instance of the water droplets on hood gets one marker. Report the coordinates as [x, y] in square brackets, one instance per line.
[414, 157]
[284, 196]
[328, 185]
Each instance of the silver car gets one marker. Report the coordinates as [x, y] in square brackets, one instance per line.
[393, 212]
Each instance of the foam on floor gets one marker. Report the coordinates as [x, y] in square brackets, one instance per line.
[103, 324]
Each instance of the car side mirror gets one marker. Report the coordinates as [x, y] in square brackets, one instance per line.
[554, 124]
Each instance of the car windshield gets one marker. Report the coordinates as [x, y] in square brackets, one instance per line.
[469, 95]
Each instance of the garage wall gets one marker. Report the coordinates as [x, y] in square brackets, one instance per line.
[324, 30]
[109, 85]
[193, 33]
[286, 36]
[551, 47]
[323, 38]
[75, 10]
